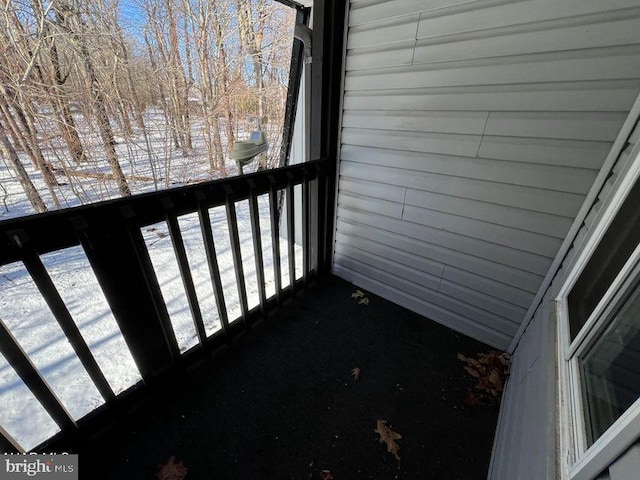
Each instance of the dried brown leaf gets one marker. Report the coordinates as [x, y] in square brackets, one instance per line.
[472, 399]
[491, 369]
[472, 372]
[355, 373]
[505, 359]
[172, 470]
[474, 362]
[496, 379]
[389, 437]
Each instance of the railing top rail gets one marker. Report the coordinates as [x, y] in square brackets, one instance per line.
[59, 229]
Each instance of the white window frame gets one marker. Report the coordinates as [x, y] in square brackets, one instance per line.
[577, 462]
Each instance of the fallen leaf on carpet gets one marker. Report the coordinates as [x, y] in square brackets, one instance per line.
[172, 470]
[355, 373]
[364, 301]
[471, 371]
[357, 294]
[389, 437]
[472, 399]
[491, 369]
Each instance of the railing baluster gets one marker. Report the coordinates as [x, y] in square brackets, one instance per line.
[19, 360]
[305, 231]
[51, 295]
[237, 256]
[257, 246]
[291, 238]
[8, 444]
[323, 235]
[214, 269]
[274, 217]
[313, 224]
[185, 273]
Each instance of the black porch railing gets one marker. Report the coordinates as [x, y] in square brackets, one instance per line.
[111, 235]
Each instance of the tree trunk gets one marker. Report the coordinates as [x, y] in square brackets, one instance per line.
[60, 104]
[180, 88]
[29, 145]
[126, 122]
[253, 43]
[10, 155]
[169, 115]
[188, 83]
[136, 106]
[99, 104]
[223, 82]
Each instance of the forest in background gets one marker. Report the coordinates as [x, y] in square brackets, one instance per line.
[110, 97]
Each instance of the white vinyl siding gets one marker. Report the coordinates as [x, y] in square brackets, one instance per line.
[627, 466]
[528, 405]
[471, 134]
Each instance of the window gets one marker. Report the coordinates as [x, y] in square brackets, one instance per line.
[610, 368]
[599, 338]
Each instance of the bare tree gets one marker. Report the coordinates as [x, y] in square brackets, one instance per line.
[252, 42]
[5, 194]
[195, 75]
[223, 72]
[25, 138]
[11, 157]
[163, 22]
[52, 81]
[70, 20]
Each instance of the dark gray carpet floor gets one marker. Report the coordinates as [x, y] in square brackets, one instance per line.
[281, 403]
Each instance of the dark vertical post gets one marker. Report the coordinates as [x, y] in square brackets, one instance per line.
[185, 274]
[257, 245]
[114, 259]
[291, 237]
[237, 255]
[153, 287]
[214, 269]
[326, 77]
[275, 239]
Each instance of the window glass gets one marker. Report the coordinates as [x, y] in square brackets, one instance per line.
[611, 369]
[613, 251]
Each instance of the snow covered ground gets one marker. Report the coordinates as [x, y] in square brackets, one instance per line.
[150, 162]
[25, 313]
